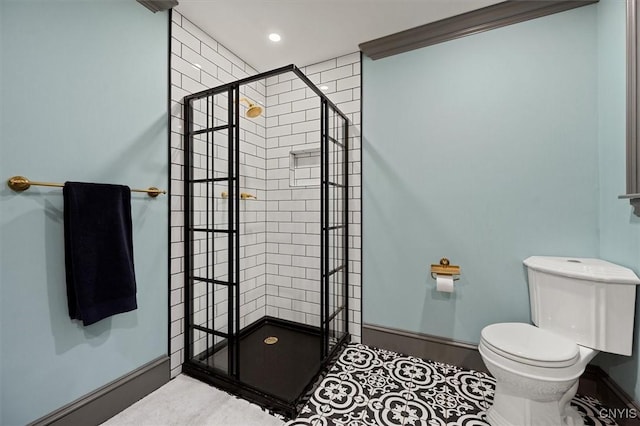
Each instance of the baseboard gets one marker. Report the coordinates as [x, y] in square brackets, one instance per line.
[107, 401]
[594, 381]
[435, 348]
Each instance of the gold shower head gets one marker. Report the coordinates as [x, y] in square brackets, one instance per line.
[253, 110]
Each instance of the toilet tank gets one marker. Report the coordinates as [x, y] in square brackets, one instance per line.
[590, 301]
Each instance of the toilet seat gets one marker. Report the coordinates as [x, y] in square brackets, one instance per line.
[527, 344]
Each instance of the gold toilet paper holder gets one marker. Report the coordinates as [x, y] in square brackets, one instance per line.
[445, 268]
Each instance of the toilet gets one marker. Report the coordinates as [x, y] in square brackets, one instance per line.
[579, 307]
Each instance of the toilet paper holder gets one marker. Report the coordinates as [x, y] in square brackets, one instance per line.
[445, 268]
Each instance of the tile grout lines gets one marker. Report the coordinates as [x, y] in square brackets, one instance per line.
[375, 387]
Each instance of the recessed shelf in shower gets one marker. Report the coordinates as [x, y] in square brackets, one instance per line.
[304, 167]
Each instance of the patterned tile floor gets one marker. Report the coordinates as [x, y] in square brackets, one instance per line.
[375, 387]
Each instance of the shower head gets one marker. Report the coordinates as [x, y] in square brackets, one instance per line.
[253, 110]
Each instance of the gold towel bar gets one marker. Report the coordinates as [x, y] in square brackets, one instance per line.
[444, 268]
[21, 183]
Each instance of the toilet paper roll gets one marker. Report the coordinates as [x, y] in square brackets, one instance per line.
[444, 283]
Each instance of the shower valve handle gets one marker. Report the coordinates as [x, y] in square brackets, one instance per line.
[243, 195]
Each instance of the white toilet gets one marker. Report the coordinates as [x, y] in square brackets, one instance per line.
[580, 307]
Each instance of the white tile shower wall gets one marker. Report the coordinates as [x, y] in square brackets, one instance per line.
[211, 210]
[293, 212]
[198, 62]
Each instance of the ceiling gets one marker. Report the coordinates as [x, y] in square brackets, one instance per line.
[312, 30]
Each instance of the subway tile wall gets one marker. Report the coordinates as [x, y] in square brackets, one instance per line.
[293, 202]
[199, 62]
[211, 210]
[340, 80]
[293, 212]
[279, 230]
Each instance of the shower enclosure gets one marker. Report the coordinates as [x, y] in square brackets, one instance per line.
[266, 213]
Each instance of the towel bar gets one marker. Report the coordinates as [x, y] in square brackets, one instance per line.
[21, 183]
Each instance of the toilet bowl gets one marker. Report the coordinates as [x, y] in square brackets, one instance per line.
[579, 307]
[536, 374]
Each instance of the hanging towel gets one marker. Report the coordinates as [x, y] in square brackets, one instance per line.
[98, 250]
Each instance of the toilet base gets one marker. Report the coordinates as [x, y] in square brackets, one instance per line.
[511, 410]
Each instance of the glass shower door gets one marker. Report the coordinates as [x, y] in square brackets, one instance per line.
[271, 341]
[334, 224]
[211, 227]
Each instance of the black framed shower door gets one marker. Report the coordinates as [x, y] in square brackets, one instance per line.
[217, 349]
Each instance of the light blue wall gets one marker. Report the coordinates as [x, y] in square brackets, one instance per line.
[520, 134]
[482, 149]
[619, 228]
[84, 97]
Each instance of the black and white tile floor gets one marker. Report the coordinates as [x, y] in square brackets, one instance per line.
[375, 387]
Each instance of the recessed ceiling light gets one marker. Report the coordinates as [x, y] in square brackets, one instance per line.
[275, 37]
[325, 88]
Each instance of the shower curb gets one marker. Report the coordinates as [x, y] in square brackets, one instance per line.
[110, 399]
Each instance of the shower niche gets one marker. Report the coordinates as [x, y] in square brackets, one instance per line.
[266, 260]
[304, 167]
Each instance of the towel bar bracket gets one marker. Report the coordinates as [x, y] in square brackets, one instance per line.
[19, 183]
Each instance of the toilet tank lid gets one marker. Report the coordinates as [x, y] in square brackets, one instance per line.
[583, 268]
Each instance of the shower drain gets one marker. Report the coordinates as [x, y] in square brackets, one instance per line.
[271, 340]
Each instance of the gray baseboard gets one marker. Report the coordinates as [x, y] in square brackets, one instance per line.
[107, 401]
[594, 382]
[424, 346]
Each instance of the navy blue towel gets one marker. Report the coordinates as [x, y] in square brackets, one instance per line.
[98, 250]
